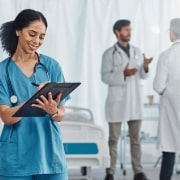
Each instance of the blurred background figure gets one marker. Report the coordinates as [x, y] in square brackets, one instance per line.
[123, 66]
[167, 85]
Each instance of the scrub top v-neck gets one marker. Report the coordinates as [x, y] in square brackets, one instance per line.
[34, 144]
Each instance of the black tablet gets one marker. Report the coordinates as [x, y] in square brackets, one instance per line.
[27, 110]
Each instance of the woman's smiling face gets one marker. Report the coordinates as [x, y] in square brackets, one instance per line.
[31, 37]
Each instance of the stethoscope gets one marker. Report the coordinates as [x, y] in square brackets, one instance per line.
[116, 50]
[13, 96]
[135, 56]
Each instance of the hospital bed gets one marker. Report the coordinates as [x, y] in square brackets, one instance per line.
[84, 142]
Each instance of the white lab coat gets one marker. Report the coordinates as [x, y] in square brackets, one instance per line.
[167, 84]
[124, 99]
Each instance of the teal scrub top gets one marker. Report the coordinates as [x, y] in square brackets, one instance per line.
[34, 144]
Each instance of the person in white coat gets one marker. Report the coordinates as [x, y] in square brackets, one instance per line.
[167, 85]
[123, 67]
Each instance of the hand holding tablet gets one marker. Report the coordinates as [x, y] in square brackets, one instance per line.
[27, 110]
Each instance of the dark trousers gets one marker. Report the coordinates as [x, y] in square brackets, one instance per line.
[167, 165]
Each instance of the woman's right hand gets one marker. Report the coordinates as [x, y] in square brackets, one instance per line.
[42, 85]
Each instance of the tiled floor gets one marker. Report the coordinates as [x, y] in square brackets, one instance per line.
[98, 174]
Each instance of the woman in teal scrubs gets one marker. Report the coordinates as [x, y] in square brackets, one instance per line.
[31, 148]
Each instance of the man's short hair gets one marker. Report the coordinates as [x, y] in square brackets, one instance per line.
[120, 24]
[175, 26]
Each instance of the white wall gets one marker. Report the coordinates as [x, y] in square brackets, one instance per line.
[80, 30]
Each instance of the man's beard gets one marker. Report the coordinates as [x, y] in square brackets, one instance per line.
[125, 38]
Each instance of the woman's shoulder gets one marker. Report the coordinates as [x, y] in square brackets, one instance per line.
[3, 63]
[51, 63]
[3, 68]
[45, 58]
[48, 60]
[4, 60]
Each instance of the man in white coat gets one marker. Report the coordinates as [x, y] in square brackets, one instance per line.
[167, 85]
[123, 67]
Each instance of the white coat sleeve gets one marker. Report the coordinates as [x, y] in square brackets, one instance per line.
[143, 74]
[161, 76]
[111, 74]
